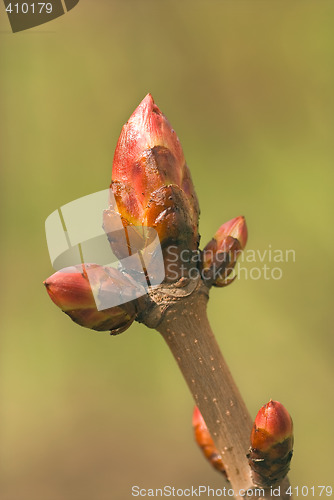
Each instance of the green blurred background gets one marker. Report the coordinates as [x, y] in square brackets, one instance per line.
[248, 86]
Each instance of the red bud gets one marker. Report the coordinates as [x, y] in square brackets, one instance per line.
[271, 444]
[220, 254]
[72, 291]
[236, 228]
[146, 129]
[150, 179]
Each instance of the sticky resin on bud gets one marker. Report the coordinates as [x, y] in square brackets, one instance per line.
[151, 182]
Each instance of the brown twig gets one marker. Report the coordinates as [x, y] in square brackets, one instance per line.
[178, 312]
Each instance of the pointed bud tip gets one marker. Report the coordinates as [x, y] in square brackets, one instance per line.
[197, 417]
[236, 228]
[148, 104]
[69, 289]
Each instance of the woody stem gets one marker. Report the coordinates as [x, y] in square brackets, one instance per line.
[185, 327]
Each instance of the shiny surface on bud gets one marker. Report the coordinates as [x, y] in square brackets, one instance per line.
[205, 442]
[221, 253]
[71, 290]
[150, 179]
[272, 424]
[271, 444]
[236, 228]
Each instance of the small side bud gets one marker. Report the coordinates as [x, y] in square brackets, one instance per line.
[220, 254]
[271, 444]
[205, 442]
[72, 291]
